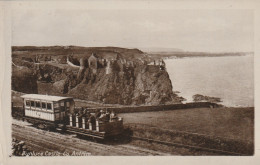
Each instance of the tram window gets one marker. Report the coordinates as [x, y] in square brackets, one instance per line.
[38, 104]
[49, 106]
[27, 103]
[32, 103]
[43, 105]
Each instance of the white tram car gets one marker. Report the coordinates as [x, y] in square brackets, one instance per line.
[47, 111]
[48, 108]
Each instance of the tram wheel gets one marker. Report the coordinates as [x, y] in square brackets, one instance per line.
[42, 126]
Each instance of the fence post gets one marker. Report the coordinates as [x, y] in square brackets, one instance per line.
[77, 121]
[71, 120]
[97, 125]
[83, 122]
[90, 126]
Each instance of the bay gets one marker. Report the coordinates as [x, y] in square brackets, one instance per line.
[230, 78]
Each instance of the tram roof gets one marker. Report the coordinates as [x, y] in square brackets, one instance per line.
[44, 97]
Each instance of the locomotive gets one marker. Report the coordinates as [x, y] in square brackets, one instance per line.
[56, 112]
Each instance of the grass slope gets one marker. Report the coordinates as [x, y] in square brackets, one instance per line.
[234, 123]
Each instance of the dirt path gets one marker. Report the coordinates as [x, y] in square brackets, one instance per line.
[41, 141]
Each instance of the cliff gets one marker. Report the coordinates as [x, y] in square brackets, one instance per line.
[24, 80]
[107, 75]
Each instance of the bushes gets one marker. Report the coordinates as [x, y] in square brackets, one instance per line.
[19, 148]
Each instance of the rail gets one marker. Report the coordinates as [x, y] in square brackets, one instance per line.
[188, 146]
[231, 146]
[177, 131]
[182, 145]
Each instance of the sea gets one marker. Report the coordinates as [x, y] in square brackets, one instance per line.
[230, 78]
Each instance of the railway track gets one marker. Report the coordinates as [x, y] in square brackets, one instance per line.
[216, 151]
[41, 140]
[35, 138]
[178, 131]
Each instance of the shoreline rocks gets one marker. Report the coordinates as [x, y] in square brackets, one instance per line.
[199, 98]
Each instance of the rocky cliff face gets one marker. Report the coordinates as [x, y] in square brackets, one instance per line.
[112, 76]
[139, 85]
[24, 80]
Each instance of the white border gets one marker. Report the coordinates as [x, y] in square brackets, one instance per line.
[6, 8]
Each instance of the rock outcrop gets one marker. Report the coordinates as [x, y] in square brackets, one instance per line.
[201, 98]
[111, 75]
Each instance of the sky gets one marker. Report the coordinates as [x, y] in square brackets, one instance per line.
[189, 30]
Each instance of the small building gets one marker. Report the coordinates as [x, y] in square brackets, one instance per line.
[101, 62]
[109, 56]
[62, 59]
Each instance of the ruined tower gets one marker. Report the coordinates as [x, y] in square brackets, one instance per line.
[108, 67]
[93, 63]
[82, 69]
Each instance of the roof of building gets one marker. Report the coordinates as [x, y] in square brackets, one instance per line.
[93, 55]
[45, 97]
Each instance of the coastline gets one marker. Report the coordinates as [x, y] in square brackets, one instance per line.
[214, 77]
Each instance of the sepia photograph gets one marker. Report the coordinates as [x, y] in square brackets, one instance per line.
[157, 82]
